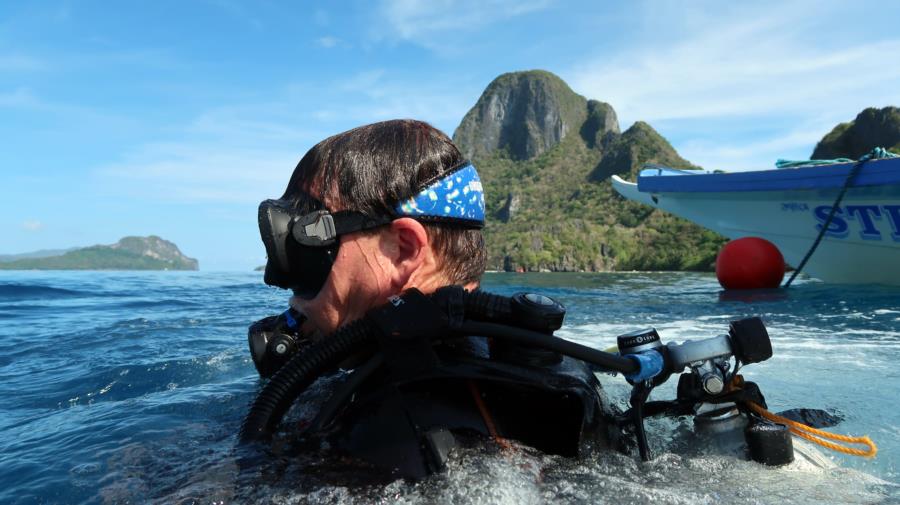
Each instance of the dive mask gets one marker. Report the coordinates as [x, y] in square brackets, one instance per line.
[302, 244]
[301, 239]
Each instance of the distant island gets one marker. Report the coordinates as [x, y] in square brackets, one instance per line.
[129, 253]
[545, 155]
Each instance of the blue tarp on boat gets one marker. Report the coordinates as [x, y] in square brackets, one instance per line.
[873, 173]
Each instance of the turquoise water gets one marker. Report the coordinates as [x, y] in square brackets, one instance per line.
[130, 387]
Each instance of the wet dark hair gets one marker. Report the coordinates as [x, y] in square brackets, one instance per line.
[370, 168]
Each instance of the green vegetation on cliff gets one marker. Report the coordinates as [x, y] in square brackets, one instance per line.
[871, 128]
[546, 214]
[554, 208]
[130, 253]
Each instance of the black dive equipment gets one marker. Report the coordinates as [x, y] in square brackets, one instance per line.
[438, 367]
[703, 391]
[274, 339]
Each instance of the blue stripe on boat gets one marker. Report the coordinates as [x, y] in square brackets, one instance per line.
[874, 173]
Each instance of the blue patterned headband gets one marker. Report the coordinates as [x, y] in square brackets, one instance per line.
[456, 197]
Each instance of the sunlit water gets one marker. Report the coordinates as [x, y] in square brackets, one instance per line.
[130, 387]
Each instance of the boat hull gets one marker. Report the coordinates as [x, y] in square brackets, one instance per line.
[862, 244]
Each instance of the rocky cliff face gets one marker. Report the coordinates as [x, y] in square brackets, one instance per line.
[157, 248]
[601, 126]
[525, 114]
[545, 155]
[871, 128]
[627, 153]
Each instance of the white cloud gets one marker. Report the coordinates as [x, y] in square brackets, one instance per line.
[418, 21]
[441, 106]
[115, 56]
[236, 154]
[761, 154]
[21, 97]
[32, 225]
[744, 63]
[770, 64]
[443, 110]
[365, 81]
[243, 153]
[198, 172]
[328, 42]
[379, 95]
[240, 11]
[20, 63]
[251, 125]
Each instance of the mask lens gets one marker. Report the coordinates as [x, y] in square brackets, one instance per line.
[291, 265]
[310, 267]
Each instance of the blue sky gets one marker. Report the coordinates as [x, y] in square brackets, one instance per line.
[176, 118]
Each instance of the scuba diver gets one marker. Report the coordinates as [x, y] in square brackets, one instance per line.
[378, 236]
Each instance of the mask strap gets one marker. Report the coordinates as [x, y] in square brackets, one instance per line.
[454, 197]
[321, 228]
[348, 221]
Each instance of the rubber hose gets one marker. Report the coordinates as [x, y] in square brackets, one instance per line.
[522, 336]
[485, 306]
[299, 372]
[637, 413]
[304, 368]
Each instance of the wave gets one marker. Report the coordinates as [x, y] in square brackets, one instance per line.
[142, 304]
[13, 291]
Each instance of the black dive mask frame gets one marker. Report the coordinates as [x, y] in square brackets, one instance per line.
[302, 241]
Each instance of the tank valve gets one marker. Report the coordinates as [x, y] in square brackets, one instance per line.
[712, 379]
[713, 384]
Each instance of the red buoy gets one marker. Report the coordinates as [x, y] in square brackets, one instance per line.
[750, 263]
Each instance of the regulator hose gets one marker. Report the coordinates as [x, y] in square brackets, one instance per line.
[304, 368]
[483, 306]
[605, 360]
[299, 372]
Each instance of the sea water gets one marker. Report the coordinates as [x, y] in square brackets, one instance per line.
[130, 388]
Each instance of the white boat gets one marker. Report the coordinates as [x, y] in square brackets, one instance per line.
[789, 207]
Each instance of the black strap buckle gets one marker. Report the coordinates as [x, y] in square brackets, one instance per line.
[315, 229]
[321, 228]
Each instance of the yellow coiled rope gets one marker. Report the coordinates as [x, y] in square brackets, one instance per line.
[812, 434]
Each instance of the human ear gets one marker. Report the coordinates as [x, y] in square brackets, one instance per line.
[408, 254]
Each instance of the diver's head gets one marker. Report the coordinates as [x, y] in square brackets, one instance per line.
[371, 212]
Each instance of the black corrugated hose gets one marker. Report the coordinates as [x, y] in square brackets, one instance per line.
[299, 372]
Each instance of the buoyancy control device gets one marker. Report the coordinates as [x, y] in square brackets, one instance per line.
[432, 371]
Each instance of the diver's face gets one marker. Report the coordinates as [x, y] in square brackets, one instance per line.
[359, 280]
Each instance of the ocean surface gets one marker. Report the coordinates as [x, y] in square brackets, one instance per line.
[130, 388]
